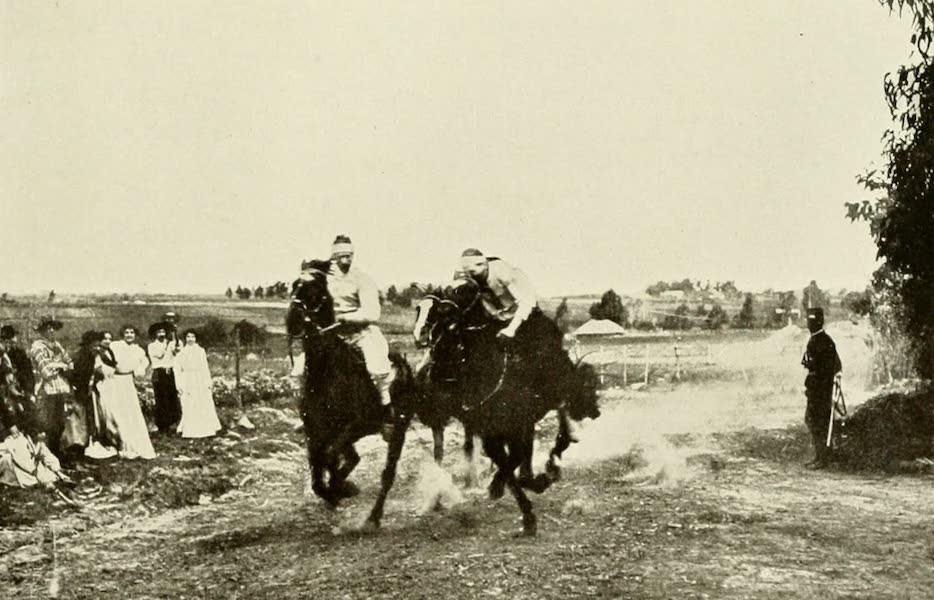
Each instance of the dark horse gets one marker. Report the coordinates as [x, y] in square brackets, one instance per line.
[501, 390]
[340, 403]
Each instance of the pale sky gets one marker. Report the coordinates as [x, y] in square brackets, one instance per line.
[188, 146]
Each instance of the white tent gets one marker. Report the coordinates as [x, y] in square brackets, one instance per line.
[603, 327]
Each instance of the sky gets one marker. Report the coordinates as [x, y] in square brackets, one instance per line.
[187, 146]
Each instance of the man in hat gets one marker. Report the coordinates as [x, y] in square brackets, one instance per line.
[823, 365]
[162, 351]
[508, 295]
[22, 365]
[53, 366]
[357, 309]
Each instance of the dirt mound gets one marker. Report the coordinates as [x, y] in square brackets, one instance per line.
[889, 429]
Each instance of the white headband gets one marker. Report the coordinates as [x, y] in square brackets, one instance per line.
[471, 260]
[341, 248]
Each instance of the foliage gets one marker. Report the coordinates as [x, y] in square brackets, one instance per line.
[562, 315]
[716, 318]
[678, 321]
[212, 333]
[858, 303]
[901, 217]
[611, 308]
[746, 318]
[249, 334]
[813, 297]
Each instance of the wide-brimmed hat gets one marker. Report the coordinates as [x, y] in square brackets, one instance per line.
[49, 323]
[7, 332]
[157, 326]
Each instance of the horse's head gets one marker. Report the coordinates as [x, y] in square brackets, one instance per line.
[445, 311]
[312, 307]
[433, 315]
[582, 394]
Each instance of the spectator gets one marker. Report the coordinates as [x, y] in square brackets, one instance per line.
[53, 366]
[162, 352]
[199, 417]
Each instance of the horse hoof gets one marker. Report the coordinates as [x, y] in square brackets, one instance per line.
[347, 489]
[369, 527]
[497, 488]
[553, 470]
[529, 525]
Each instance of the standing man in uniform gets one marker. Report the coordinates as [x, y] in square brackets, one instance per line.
[823, 365]
[357, 309]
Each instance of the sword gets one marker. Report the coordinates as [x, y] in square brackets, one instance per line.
[835, 407]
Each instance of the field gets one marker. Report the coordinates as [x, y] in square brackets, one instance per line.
[691, 488]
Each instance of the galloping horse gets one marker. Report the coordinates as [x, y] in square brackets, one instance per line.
[340, 403]
[501, 393]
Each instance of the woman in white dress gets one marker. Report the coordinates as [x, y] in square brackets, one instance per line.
[119, 402]
[193, 380]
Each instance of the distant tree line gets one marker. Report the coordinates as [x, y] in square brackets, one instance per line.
[279, 289]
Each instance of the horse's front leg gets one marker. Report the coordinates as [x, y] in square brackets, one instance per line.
[393, 453]
[562, 442]
[505, 476]
[437, 432]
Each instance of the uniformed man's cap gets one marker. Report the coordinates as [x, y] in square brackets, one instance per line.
[816, 313]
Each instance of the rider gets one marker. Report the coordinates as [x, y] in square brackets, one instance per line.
[357, 309]
[508, 296]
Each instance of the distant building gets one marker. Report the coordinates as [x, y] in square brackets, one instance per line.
[599, 328]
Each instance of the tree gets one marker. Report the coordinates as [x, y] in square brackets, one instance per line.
[858, 303]
[716, 318]
[902, 217]
[392, 295]
[258, 292]
[229, 293]
[611, 308]
[746, 319]
[51, 297]
[813, 297]
[561, 315]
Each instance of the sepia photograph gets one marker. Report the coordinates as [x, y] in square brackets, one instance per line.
[465, 300]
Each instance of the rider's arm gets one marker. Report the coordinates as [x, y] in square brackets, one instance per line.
[369, 311]
[524, 294]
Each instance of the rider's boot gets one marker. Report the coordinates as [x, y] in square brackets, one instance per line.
[383, 381]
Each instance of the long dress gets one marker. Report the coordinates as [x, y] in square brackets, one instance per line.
[119, 402]
[193, 379]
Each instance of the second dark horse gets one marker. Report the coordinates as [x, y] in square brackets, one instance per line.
[500, 391]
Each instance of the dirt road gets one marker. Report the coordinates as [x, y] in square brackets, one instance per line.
[712, 503]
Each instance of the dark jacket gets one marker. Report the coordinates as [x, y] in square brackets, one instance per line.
[822, 362]
[22, 369]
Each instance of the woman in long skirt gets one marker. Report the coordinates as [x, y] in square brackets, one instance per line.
[193, 380]
[119, 363]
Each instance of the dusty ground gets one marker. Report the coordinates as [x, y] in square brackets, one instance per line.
[713, 503]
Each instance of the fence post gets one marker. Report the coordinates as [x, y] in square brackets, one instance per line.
[677, 365]
[625, 366]
[647, 347]
[237, 370]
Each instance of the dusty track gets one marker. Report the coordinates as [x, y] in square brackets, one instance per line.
[718, 506]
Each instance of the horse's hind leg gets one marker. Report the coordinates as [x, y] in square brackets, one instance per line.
[471, 477]
[506, 465]
[396, 442]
